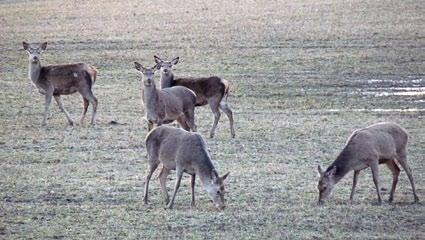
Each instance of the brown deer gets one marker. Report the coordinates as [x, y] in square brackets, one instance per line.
[186, 152]
[209, 90]
[368, 147]
[57, 80]
[166, 105]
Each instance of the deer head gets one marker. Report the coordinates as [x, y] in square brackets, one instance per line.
[147, 73]
[216, 190]
[34, 51]
[326, 182]
[166, 67]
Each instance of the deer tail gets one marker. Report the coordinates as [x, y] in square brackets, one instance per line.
[226, 89]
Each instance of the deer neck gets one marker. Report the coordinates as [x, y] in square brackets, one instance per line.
[206, 179]
[342, 164]
[205, 173]
[34, 71]
[167, 80]
[150, 96]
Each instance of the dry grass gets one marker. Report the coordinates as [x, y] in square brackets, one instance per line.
[300, 74]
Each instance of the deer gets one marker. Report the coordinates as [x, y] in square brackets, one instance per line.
[184, 152]
[209, 90]
[166, 105]
[56, 80]
[380, 143]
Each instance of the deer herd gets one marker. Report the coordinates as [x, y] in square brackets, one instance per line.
[185, 151]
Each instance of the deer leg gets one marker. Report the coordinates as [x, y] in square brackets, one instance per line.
[85, 107]
[176, 187]
[152, 168]
[48, 98]
[403, 162]
[226, 109]
[375, 174]
[190, 119]
[192, 187]
[182, 121]
[355, 177]
[60, 104]
[93, 100]
[163, 181]
[396, 172]
[214, 108]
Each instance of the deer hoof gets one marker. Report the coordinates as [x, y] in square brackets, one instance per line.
[71, 123]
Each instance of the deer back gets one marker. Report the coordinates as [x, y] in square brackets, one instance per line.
[177, 147]
[67, 79]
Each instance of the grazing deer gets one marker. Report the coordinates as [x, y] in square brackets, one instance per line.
[57, 80]
[368, 147]
[186, 152]
[209, 90]
[166, 105]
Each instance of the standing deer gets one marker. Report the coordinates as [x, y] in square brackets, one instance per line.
[57, 80]
[166, 105]
[209, 90]
[368, 147]
[186, 152]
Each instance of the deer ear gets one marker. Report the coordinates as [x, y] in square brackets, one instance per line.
[332, 171]
[214, 174]
[157, 59]
[25, 45]
[225, 176]
[138, 66]
[320, 170]
[175, 60]
[157, 66]
[43, 46]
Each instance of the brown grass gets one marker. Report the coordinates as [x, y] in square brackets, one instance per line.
[300, 74]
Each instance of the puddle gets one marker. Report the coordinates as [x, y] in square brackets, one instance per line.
[397, 82]
[378, 110]
[386, 87]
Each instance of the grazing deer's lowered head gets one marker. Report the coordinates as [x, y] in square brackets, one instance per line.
[216, 190]
[326, 182]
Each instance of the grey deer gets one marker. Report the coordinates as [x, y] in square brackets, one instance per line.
[186, 152]
[368, 147]
[166, 105]
[209, 90]
[57, 80]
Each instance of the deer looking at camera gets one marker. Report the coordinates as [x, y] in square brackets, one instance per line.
[368, 147]
[166, 105]
[209, 90]
[186, 152]
[57, 80]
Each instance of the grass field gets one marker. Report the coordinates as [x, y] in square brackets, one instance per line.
[304, 75]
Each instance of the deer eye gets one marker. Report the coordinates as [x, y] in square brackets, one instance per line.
[218, 192]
